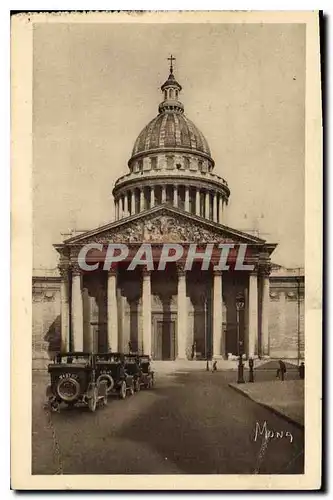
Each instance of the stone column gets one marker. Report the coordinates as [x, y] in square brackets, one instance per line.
[112, 311]
[164, 193]
[218, 340]
[221, 210]
[175, 196]
[197, 201]
[265, 312]
[152, 197]
[181, 314]
[187, 199]
[64, 300]
[215, 214]
[121, 211]
[126, 205]
[253, 314]
[207, 203]
[146, 312]
[133, 202]
[77, 310]
[142, 199]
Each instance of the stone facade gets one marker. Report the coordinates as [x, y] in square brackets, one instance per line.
[286, 315]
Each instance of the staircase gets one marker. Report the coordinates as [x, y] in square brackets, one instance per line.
[184, 365]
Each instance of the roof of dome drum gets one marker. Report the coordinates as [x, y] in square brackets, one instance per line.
[170, 130]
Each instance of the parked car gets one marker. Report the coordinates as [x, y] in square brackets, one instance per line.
[74, 381]
[133, 368]
[147, 374]
[110, 367]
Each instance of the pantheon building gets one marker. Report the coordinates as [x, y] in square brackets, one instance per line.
[170, 194]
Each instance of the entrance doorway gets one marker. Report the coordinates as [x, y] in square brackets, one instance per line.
[164, 340]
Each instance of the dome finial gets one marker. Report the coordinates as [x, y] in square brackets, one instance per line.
[171, 89]
[171, 59]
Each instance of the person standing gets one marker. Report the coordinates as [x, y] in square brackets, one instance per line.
[281, 370]
[193, 353]
[301, 371]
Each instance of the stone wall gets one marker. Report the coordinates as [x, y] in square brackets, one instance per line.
[46, 327]
[286, 315]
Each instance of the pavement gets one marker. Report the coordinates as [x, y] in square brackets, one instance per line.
[285, 398]
[189, 423]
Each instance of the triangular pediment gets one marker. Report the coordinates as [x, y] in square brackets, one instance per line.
[164, 224]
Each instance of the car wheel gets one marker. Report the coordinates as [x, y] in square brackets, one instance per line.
[92, 401]
[109, 380]
[68, 389]
[122, 391]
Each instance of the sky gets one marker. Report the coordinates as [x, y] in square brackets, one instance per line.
[95, 87]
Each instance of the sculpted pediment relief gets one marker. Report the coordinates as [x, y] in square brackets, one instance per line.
[163, 226]
[160, 229]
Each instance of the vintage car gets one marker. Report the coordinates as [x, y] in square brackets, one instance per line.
[110, 367]
[74, 381]
[147, 374]
[133, 368]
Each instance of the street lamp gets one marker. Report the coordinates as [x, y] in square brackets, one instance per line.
[240, 303]
[206, 332]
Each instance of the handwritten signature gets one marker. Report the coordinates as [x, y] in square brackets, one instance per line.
[262, 430]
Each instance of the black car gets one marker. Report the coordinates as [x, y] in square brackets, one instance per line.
[110, 367]
[74, 381]
[147, 374]
[133, 368]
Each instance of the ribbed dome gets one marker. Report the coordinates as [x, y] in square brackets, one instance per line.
[170, 129]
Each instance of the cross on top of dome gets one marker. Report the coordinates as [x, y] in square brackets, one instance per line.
[171, 89]
[171, 59]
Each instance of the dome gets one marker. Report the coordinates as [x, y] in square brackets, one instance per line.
[171, 164]
[170, 129]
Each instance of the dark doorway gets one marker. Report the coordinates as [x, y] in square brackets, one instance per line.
[164, 340]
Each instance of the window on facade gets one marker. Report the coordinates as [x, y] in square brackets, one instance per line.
[165, 94]
[186, 163]
[140, 165]
[176, 94]
[169, 162]
[200, 163]
[153, 162]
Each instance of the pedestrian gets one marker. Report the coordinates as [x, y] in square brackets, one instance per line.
[281, 370]
[214, 367]
[301, 371]
[129, 347]
[194, 349]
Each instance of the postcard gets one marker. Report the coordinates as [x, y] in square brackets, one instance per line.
[166, 251]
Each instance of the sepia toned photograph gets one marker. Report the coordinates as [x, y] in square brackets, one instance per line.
[168, 276]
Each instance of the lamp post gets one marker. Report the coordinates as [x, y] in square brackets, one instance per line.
[240, 303]
[298, 317]
[206, 333]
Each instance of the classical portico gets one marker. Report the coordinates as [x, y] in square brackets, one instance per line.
[164, 312]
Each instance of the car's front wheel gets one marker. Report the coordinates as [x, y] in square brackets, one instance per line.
[92, 401]
[122, 391]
